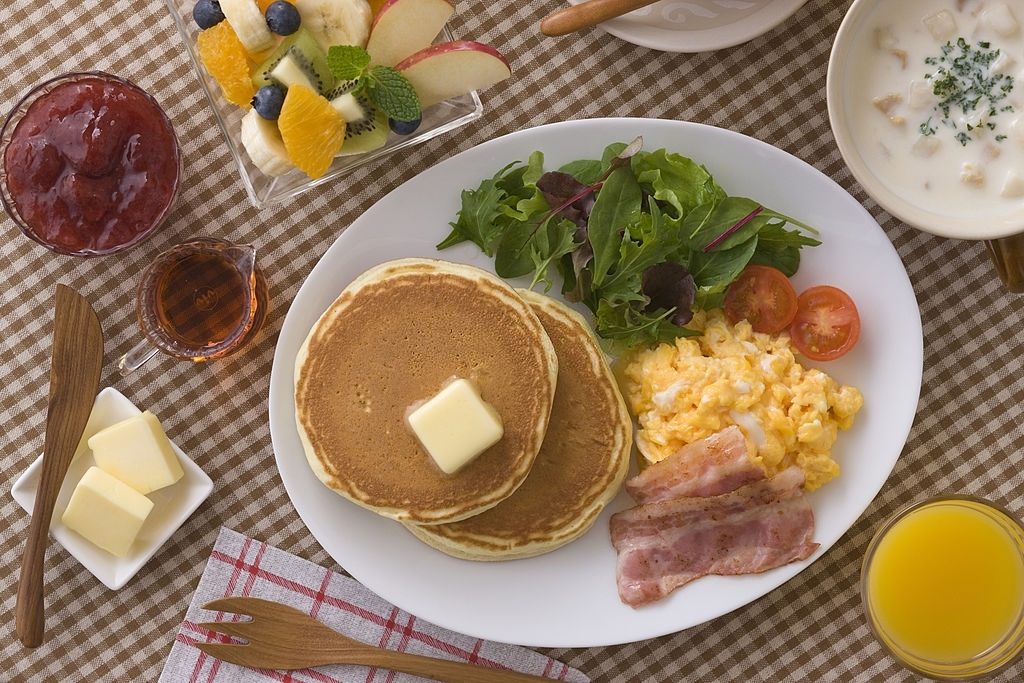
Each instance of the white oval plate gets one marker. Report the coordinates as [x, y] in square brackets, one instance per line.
[699, 25]
[568, 598]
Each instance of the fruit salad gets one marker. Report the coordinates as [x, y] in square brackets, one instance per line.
[327, 78]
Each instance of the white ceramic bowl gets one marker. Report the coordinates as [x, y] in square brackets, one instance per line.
[985, 227]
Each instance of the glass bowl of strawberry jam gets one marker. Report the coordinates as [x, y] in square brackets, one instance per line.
[90, 164]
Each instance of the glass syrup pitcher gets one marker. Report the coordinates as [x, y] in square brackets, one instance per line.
[198, 301]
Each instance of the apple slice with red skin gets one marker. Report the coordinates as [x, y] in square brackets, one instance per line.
[447, 70]
[403, 27]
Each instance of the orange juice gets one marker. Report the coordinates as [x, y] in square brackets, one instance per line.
[944, 586]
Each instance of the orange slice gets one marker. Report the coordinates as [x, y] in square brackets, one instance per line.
[264, 4]
[227, 61]
[312, 130]
[375, 6]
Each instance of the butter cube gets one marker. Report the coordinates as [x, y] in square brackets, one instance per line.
[106, 512]
[137, 452]
[456, 425]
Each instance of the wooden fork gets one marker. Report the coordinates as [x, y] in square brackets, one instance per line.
[282, 637]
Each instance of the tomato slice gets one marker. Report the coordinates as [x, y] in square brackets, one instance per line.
[827, 324]
[764, 297]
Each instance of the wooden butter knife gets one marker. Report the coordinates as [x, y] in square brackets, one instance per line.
[587, 14]
[75, 365]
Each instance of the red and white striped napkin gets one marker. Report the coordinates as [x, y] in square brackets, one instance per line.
[240, 565]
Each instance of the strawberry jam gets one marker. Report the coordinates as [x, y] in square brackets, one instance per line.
[92, 165]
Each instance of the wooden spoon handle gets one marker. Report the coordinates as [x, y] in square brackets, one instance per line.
[435, 669]
[587, 14]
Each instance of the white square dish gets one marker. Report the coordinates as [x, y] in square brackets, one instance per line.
[171, 505]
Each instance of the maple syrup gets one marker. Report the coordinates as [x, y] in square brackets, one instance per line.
[202, 300]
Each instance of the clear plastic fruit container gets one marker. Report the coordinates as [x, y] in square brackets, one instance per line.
[264, 190]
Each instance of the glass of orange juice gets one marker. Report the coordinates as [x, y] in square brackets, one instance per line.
[943, 587]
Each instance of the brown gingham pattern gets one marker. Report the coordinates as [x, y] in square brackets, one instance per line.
[243, 566]
[968, 436]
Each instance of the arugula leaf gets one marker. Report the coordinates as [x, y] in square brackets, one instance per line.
[586, 171]
[557, 243]
[617, 207]
[680, 182]
[477, 219]
[625, 327]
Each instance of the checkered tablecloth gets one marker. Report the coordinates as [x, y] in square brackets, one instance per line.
[967, 438]
[243, 566]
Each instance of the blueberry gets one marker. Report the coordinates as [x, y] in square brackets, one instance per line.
[404, 127]
[268, 101]
[282, 18]
[207, 13]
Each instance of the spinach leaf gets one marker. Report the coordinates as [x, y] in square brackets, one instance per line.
[512, 254]
[647, 243]
[780, 248]
[710, 297]
[711, 221]
[721, 266]
[586, 171]
[617, 207]
[610, 152]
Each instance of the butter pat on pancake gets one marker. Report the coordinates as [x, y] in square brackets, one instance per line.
[456, 425]
[581, 465]
[394, 338]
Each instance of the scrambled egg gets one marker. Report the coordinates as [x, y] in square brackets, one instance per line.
[687, 390]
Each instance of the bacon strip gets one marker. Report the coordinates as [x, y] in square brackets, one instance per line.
[667, 544]
[709, 467]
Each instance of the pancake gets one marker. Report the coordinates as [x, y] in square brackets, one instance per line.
[579, 469]
[396, 336]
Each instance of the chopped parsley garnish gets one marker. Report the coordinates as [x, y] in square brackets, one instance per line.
[964, 83]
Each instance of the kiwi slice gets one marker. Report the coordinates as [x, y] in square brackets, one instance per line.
[362, 133]
[298, 59]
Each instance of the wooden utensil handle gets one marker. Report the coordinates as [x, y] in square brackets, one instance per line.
[588, 14]
[436, 669]
[28, 615]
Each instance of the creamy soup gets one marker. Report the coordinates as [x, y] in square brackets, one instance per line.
[936, 103]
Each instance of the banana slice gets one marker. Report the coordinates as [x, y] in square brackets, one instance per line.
[248, 23]
[336, 22]
[263, 143]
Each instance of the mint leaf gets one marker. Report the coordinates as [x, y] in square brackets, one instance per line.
[393, 94]
[347, 62]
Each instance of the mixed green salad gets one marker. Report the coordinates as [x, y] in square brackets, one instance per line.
[643, 239]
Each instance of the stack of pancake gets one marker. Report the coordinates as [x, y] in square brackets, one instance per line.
[393, 339]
